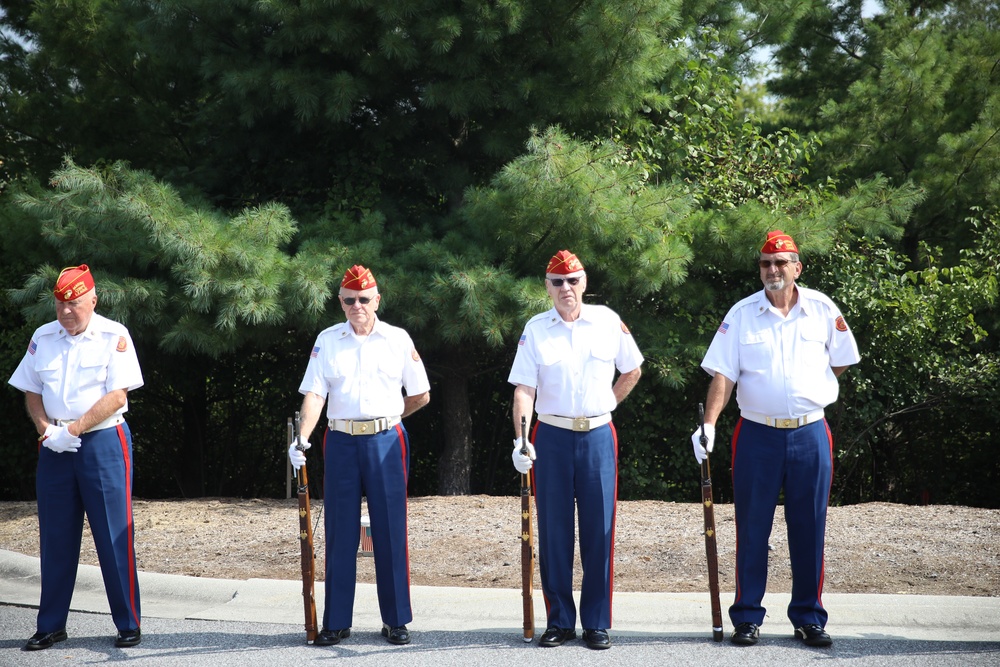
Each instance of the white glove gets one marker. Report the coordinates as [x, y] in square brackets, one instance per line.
[59, 439]
[522, 463]
[699, 452]
[297, 456]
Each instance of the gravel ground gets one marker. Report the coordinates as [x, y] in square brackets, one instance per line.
[474, 541]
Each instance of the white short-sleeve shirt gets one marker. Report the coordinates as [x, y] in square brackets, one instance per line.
[782, 366]
[71, 373]
[363, 376]
[571, 365]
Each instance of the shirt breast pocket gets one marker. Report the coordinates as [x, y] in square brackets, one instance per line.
[51, 373]
[391, 366]
[93, 371]
[552, 351]
[756, 350]
[812, 340]
[601, 364]
[339, 366]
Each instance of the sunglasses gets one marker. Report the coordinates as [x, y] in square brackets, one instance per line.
[777, 263]
[558, 282]
[351, 300]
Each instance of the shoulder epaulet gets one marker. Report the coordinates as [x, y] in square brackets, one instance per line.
[746, 301]
[815, 295]
[48, 329]
[598, 312]
[542, 317]
[101, 324]
[333, 328]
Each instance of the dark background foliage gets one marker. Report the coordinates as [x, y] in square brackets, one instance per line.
[220, 164]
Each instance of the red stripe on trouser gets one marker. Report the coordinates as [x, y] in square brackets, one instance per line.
[732, 450]
[614, 528]
[133, 585]
[406, 502]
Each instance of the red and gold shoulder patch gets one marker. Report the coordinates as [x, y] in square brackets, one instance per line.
[841, 324]
[416, 357]
[122, 344]
[625, 329]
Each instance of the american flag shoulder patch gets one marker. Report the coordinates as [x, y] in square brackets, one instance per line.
[724, 327]
[315, 352]
[32, 347]
[523, 338]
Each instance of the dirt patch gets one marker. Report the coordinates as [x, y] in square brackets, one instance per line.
[474, 541]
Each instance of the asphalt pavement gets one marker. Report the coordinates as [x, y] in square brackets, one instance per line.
[194, 621]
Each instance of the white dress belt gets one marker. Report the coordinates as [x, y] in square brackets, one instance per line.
[113, 420]
[363, 426]
[783, 422]
[576, 423]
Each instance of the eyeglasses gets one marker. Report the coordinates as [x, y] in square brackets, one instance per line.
[558, 282]
[350, 300]
[777, 263]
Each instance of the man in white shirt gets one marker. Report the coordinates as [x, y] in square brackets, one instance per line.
[76, 376]
[783, 348]
[359, 368]
[564, 370]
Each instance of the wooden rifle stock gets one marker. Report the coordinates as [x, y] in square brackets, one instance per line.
[711, 551]
[527, 543]
[306, 541]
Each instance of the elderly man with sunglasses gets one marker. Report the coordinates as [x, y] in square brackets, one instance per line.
[360, 369]
[564, 369]
[783, 348]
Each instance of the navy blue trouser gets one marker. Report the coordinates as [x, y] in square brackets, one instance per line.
[765, 461]
[376, 466]
[96, 480]
[580, 466]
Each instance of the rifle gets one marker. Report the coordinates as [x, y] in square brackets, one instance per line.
[711, 552]
[306, 539]
[527, 543]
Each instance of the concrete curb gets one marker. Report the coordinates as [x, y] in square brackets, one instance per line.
[918, 617]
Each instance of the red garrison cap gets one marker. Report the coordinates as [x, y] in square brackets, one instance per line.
[359, 278]
[564, 262]
[73, 282]
[778, 241]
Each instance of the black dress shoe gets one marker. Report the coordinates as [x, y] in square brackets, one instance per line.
[331, 637]
[41, 640]
[128, 637]
[597, 639]
[745, 634]
[396, 635]
[556, 636]
[813, 635]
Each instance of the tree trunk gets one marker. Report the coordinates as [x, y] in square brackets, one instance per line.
[455, 466]
[190, 468]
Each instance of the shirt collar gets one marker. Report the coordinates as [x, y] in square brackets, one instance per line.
[763, 305]
[89, 332]
[378, 329]
[555, 318]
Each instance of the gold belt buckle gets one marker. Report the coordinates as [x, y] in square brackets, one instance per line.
[581, 424]
[361, 428]
[786, 423]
